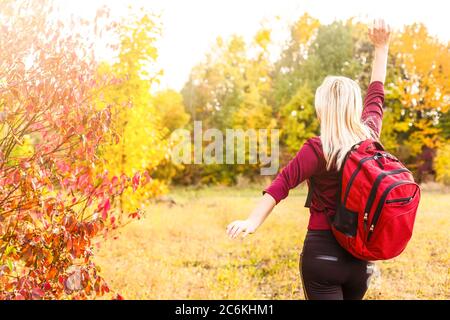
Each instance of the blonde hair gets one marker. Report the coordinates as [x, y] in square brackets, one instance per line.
[339, 108]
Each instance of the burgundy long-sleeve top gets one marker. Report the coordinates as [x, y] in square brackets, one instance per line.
[310, 163]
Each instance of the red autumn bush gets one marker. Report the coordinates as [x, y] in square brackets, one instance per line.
[53, 204]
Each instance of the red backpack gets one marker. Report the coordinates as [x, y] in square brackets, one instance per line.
[377, 206]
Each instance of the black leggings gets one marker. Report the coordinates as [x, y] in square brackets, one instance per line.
[329, 272]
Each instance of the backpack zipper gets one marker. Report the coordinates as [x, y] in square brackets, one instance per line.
[373, 191]
[377, 213]
[399, 200]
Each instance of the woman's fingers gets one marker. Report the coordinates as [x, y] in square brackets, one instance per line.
[388, 29]
[235, 232]
[371, 32]
[230, 228]
[379, 32]
[237, 228]
[238, 231]
[379, 25]
[233, 229]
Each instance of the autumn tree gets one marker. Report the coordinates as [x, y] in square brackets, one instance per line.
[422, 89]
[425, 67]
[231, 89]
[170, 107]
[54, 203]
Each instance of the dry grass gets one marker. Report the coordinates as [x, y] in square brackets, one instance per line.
[182, 252]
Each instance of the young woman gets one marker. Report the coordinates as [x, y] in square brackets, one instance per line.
[328, 271]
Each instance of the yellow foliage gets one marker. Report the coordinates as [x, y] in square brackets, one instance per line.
[263, 38]
[138, 141]
[169, 104]
[426, 63]
[424, 84]
[23, 150]
[442, 164]
[305, 28]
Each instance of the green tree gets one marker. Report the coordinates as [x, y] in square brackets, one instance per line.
[230, 89]
[314, 52]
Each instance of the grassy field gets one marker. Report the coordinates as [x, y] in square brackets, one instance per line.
[182, 252]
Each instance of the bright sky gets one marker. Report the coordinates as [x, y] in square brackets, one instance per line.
[191, 26]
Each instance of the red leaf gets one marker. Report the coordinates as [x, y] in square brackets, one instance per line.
[47, 286]
[105, 208]
[135, 215]
[62, 166]
[136, 180]
[25, 165]
[105, 288]
[83, 181]
[114, 180]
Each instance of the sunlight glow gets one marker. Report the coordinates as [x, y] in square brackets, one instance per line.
[190, 27]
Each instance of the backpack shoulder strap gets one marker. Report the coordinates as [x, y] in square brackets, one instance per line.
[310, 194]
[311, 190]
[308, 203]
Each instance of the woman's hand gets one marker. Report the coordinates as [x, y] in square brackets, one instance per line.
[245, 227]
[256, 218]
[380, 34]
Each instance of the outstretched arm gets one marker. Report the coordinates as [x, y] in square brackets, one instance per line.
[379, 35]
[302, 167]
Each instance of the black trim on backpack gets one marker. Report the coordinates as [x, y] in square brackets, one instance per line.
[378, 145]
[311, 190]
[346, 221]
[376, 185]
[310, 194]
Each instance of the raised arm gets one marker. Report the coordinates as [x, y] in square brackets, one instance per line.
[379, 35]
